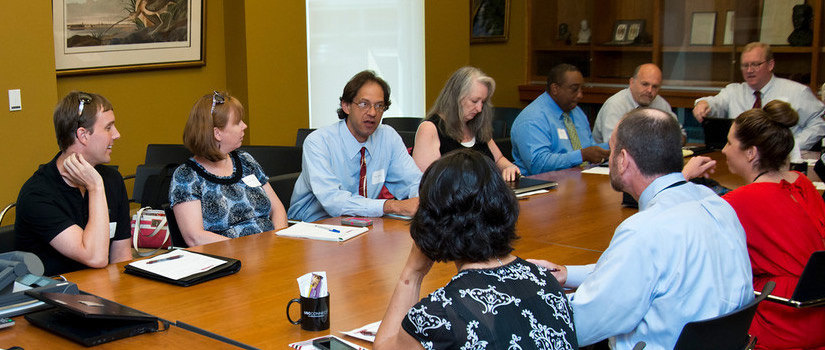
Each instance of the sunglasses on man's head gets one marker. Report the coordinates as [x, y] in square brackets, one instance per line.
[84, 99]
[218, 99]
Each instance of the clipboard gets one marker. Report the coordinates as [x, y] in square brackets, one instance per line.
[230, 266]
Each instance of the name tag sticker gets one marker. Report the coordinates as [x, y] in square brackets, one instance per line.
[562, 134]
[112, 229]
[378, 177]
[251, 181]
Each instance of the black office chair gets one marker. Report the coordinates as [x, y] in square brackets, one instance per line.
[174, 229]
[503, 118]
[409, 139]
[7, 238]
[157, 153]
[301, 136]
[726, 332]
[402, 124]
[276, 160]
[283, 185]
[506, 147]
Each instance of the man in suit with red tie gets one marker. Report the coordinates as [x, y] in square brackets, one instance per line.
[346, 165]
[761, 87]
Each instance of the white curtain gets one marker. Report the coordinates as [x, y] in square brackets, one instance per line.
[345, 37]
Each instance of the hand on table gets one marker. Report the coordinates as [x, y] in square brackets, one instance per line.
[511, 173]
[595, 154]
[558, 271]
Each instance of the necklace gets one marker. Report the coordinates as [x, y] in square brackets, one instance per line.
[760, 174]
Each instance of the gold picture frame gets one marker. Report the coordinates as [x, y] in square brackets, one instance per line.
[489, 21]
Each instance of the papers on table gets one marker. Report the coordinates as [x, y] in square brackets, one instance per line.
[321, 232]
[367, 332]
[525, 194]
[177, 264]
[598, 170]
[307, 344]
[820, 186]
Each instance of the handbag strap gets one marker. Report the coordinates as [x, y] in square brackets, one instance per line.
[136, 233]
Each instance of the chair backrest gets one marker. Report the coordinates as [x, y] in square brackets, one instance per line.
[276, 160]
[283, 185]
[174, 230]
[506, 147]
[503, 117]
[729, 331]
[152, 184]
[402, 124]
[157, 153]
[408, 137]
[301, 135]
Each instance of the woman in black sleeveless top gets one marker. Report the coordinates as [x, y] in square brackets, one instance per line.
[461, 118]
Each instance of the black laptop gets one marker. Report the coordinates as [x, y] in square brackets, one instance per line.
[810, 290]
[524, 184]
[88, 319]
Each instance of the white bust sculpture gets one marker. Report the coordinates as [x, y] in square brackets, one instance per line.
[584, 33]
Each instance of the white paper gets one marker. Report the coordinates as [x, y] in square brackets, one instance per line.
[598, 170]
[305, 283]
[562, 134]
[307, 344]
[336, 233]
[366, 332]
[251, 181]
[187, 265]
[820, 186]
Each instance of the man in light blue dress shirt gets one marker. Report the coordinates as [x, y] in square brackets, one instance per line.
[541, 140]
[681, 258]
[330, 184]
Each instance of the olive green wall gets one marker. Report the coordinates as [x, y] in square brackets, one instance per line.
[265, 70]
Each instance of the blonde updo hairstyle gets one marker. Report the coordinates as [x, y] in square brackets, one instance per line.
[769, 130]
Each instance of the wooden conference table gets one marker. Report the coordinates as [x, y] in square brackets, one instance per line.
[572, 224]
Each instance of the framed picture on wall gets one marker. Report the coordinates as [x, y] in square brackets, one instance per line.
[489, 21]
[703, 27]
[626, 32]
[111, 36]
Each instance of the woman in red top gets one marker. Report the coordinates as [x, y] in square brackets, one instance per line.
[784, 220]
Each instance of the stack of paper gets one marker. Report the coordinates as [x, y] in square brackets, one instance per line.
[321, 232]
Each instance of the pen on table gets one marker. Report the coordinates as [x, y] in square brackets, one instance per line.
[328, 229]
[165, 259]
[366, 332]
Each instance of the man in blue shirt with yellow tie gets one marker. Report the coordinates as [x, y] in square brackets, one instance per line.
[552, 132]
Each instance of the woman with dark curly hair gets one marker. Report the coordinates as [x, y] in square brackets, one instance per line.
[467, 216]
[783, 217]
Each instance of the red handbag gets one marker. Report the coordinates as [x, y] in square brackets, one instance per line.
[150, 230]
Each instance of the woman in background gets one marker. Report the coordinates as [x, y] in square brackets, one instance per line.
[221, 193]
[784, 220]
[461, 118]
[467, 216]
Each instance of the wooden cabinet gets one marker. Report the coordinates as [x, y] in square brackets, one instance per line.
[689, 70]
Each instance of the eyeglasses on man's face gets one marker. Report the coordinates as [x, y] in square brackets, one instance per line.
[217, 99]
[752, 65]
[83, 99]
[365, 105]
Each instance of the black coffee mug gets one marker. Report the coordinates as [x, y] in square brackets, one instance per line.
[314, 313]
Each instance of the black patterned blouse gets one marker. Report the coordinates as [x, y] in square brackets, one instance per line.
[232, 206]
[515, 306]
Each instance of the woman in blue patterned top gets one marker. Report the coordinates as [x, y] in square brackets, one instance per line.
[467, 215]
[221, 193]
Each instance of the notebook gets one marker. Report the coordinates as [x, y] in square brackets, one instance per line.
[335, 233]
[88, 319]
[525, 184]
[810, 289]
[183, 267]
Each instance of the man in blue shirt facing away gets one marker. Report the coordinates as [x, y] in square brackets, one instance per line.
[552, 132]
[681, 258]
[346, 165]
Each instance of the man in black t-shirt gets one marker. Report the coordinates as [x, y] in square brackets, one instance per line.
[73, 212]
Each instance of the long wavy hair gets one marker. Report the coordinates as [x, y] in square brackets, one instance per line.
[448, 104]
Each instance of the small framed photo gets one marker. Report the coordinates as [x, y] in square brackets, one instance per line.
[626, 32]
[702, 28]
[729, 22]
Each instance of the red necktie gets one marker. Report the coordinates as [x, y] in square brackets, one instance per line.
[362, 179]
[758, 102]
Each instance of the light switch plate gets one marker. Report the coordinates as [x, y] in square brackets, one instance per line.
[14, 100]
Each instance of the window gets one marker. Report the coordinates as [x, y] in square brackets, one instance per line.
[345, 37]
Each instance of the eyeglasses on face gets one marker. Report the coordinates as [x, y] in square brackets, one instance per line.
[365, 105]
[218, 99]
[754, 65]
[83, 99]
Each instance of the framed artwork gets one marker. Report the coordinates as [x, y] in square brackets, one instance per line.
[124, 35]
[777, 21]
[625, 32]
[702, 28]
[489, 21]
